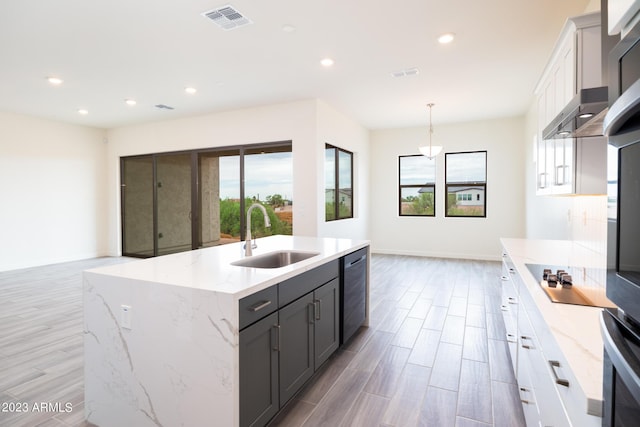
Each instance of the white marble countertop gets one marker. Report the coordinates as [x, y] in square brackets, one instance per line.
[575, 328]
[211, 269]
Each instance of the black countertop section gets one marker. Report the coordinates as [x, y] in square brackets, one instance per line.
[578, 294]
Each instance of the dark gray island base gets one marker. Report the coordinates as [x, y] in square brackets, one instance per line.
[290, 329]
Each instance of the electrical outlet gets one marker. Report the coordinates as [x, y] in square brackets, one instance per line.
[125, 316]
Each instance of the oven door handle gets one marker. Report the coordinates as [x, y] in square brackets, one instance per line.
[623, 360]
[622, 110]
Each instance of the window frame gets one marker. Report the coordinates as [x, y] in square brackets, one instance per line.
[481, 184]
[401, 186]
[336, 183]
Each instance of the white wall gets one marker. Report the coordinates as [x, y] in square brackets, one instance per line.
[307, 123]
[52, 192]
[474, 238]
[336, 129]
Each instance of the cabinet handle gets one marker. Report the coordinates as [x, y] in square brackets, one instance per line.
[504, 307]
[318, 314]
[311, 312]
[528, 347]
[524, 390]
[511, 300]
[511, 338]
[562, 174]
[277, 340]
[542, 180]
[358, 260]
[561, 381]
[259, 306]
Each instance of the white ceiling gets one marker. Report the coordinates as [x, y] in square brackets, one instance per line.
[150, 50]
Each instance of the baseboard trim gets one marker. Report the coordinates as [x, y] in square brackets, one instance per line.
[474, 257]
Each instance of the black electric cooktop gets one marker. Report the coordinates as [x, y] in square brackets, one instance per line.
[577, 294]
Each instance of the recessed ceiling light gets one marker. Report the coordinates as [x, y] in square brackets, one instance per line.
[446, 38]
[326, 62]
[190, 90]
[55, 80]
[585, 115]
[83, 111]
[130, 101]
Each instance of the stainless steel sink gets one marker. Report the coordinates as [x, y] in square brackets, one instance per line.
[275, 259]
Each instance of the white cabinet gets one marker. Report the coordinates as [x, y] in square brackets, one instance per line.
[621, 13]
[541, 402]
[509, 307]
[549, 390]
[574, 64]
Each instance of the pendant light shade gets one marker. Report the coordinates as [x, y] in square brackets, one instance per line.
[430, 150]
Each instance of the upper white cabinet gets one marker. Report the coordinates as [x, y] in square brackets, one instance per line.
[572, 165]
[621, 13]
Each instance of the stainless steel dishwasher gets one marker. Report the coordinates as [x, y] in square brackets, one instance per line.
[353, 288]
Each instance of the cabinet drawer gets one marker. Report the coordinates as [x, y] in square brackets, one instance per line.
[292, 289]
[255, 307]
[527, 396]
[552, 410]
[581, 411]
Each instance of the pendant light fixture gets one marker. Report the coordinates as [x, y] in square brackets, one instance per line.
[430, 150]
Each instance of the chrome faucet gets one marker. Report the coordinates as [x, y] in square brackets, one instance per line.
[248, 244]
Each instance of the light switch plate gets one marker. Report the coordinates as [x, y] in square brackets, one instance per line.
[125, 316]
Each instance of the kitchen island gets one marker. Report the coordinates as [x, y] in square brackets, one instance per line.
[162, 335]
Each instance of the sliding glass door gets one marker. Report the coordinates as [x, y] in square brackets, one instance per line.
[219, 197]
[137, 206]
[173, 203]
[268, 180]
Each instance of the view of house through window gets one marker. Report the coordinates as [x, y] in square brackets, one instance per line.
[338, 175]
[466, 184]
[417, 186]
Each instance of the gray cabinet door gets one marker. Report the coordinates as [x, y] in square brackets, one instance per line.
[259, 372]
[296, 346]
[327, 320]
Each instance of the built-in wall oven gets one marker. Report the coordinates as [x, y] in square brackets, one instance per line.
[621, 327]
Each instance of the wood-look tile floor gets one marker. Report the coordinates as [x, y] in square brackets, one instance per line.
[434, 354]
[41, 350]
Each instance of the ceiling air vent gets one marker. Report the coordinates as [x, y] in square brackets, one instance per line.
[406, 72]
[227, 17]
[163, 107]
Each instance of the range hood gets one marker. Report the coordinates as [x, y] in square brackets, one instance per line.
[582, 117]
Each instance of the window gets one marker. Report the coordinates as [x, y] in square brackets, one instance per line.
[338, 179]
[417, 186]
[466, 184]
